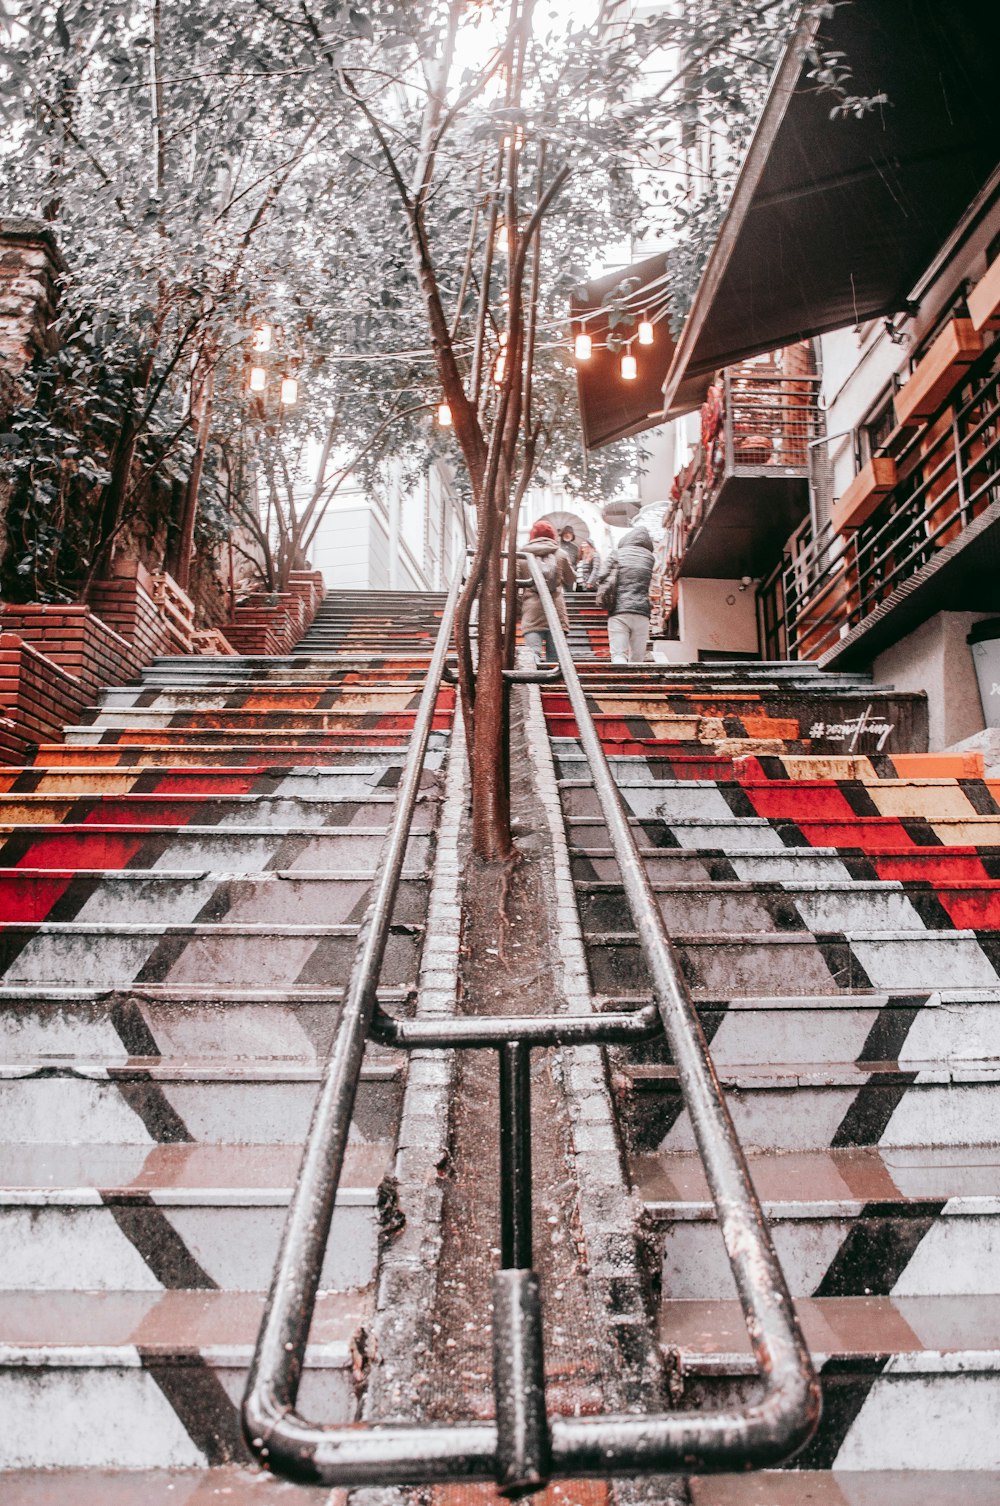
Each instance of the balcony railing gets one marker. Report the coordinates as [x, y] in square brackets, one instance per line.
[768, 422]
[755, 424]
[948, 475]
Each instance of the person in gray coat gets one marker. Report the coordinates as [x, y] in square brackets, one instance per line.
[628, 615]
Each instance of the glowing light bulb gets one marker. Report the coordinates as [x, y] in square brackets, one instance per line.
[645, 332]
[258, 378]
[630, 369]
[444, 415]
[289, 391]
[262, 337]
[583, 347]
[499, 368]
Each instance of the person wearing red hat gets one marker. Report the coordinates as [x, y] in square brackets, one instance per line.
[558, 573]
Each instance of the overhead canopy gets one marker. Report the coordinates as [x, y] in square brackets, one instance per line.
[833, 222]
[610, 407]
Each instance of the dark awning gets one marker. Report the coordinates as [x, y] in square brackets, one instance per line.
[833, 222]
[611, 408]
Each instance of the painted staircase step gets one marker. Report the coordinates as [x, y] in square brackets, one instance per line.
[849, 1222]
[868, 770]
[953, 820]
[382, 769]
[869, 1487]
[909, 1383]
[815, 1107]
[273, 697]
[261, 667]
[916, 865]
[232, 849]
[133, 896]
[287, 754]
[315, 804]
[111, 1217]
[173, 1363]
[138, 718]
[823, 905]
[258, 739]
[116, 956]
[47, 1024]
[225, 1485]
[830, 962]
[789, 798]
[756, 833]
[911, 1029]
[144, 1101]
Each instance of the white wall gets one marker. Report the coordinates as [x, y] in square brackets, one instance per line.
[935, 657]
[716, 615]
[399, 538]
[858, 364]
[342, 549]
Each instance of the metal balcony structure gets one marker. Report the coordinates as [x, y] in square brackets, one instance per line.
[933, 541]
[750, 485]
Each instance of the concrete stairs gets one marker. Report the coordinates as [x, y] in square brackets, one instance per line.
[182, 882]
[369, 622]
[835, 901]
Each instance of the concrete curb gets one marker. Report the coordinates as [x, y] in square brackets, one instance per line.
[610, 1212]
[404, 1305]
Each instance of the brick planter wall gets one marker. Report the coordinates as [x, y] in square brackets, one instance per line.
[57, 659]
[78, 642]
[125, 603]
[37, 698]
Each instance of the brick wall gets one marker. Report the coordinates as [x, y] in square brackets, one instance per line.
[37, 698]
[29, 265]
[79, 643]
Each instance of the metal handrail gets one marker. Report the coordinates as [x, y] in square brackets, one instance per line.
[788, 1413]
[275, 1432]
[524, 1447]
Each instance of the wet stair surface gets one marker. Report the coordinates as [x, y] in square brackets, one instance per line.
[181, 885]
[834, 895]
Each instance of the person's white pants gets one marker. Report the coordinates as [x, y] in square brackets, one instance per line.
[628, 635]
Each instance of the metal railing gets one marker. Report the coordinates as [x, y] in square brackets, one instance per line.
[523, 1447]
[768, 422]
[948, 474]
[769, 419]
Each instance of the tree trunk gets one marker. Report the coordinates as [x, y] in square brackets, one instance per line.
[113, 502]
[183, 552]
[491, 838]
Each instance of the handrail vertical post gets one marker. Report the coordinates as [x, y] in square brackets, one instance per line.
[515, 1155]
[524, 1447]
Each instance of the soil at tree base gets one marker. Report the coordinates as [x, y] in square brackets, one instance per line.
[507, 968]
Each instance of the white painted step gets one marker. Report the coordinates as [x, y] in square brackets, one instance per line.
[225, 1485]
[43, 1025]
[142, 1380]
[800, 1108]
[148, 1101]
[858, 1221]
[910, 1383]
[117, 956]
[118, 1218]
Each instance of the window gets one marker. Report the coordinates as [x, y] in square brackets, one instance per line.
[873, 432]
